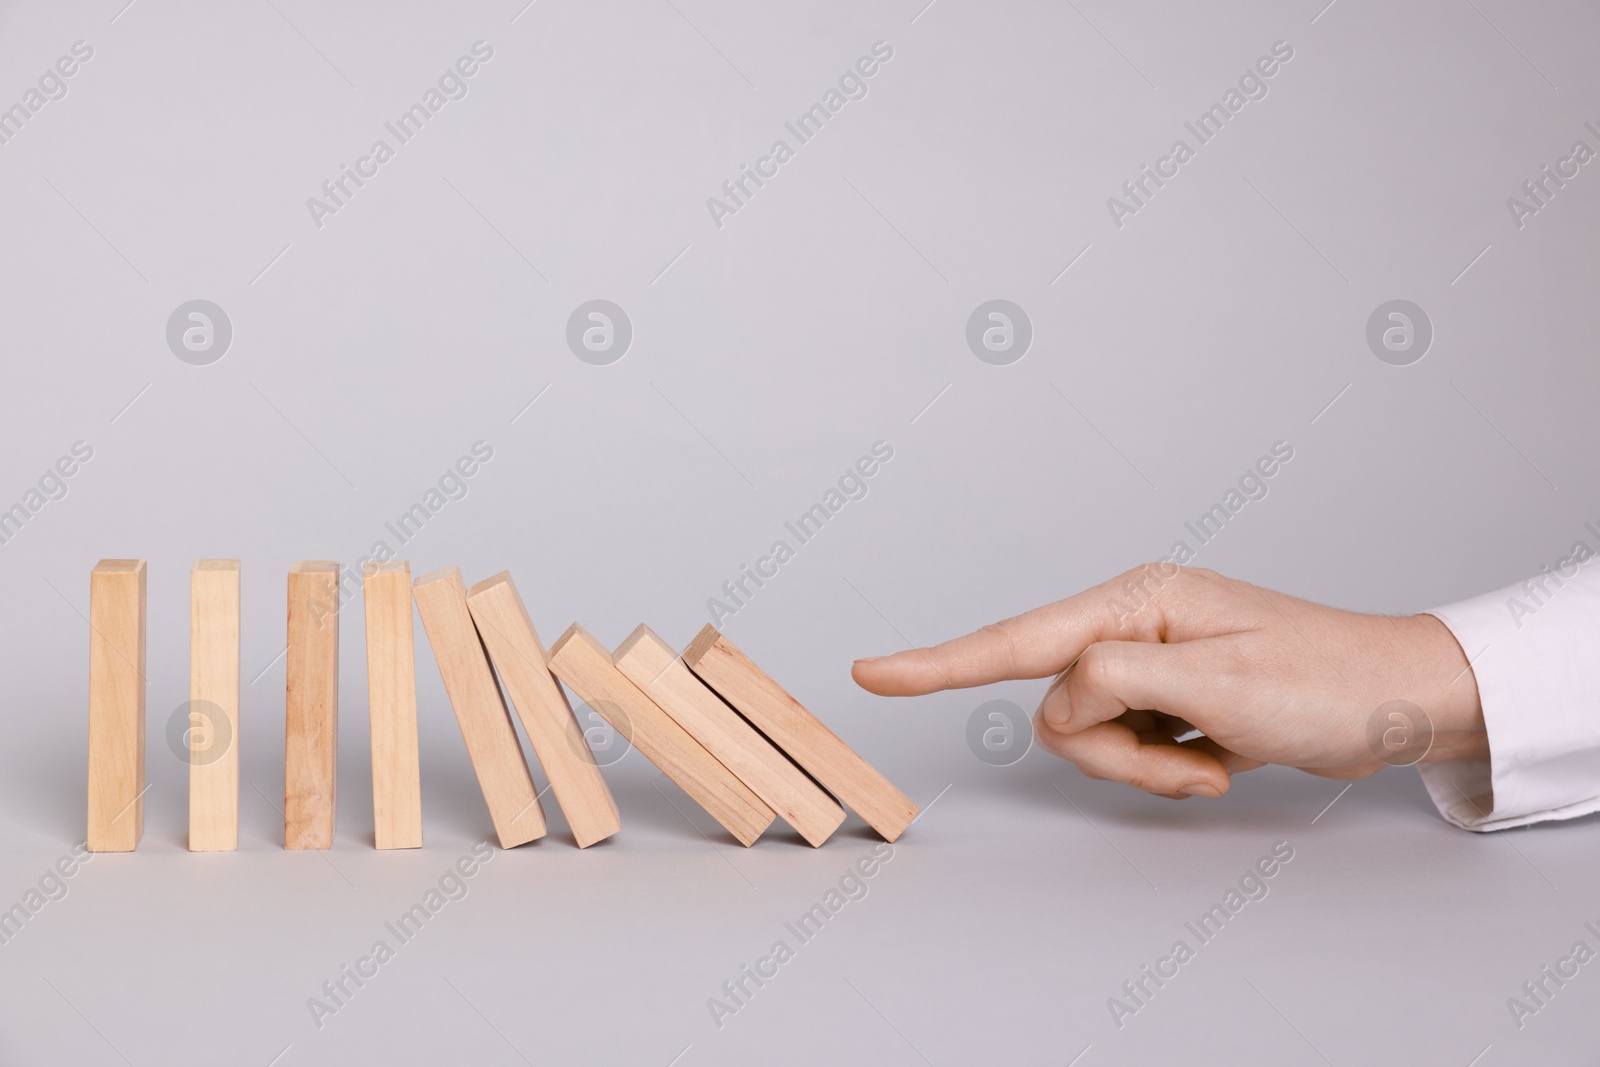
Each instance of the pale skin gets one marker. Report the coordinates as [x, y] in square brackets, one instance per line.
[1162, 650]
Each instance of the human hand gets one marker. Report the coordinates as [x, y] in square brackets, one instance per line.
[1162, 651]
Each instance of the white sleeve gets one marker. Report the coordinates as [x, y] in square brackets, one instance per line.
[1535, 650]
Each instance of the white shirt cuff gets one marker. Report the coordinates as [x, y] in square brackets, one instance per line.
[1535, 651]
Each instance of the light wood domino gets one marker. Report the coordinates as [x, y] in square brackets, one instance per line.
[584, 664]
[652, 665]
[768, 707]
[520, 660]
[480, 709]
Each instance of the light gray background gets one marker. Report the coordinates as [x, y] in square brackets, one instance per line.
[370, 354]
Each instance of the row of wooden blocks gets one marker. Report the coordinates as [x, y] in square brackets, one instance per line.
[713, 721]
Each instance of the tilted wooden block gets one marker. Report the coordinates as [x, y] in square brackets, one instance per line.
[392, 704]
[214, 706]
[480, 709]
[519, 657]
[311, 712]
[799, 733]
[652, 665]
[116, 705]
[584, 664]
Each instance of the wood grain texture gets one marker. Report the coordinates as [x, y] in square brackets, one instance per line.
[214, 706]
[116, 705]
[584, 664]
[519, 658]
[392, 704]
[480, 709]
[834, 764]
[652, 665]
[311, 712]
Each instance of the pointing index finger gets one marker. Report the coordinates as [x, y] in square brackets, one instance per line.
[1035, 644]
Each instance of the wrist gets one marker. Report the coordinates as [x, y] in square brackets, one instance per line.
[1450, 697]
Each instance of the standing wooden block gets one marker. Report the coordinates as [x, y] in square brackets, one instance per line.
[480, 709]
[116, 705]
[519, 658]
[585, 665]
[392, 704]
[801, 734]
[214, 706]
[652, 665]
[311, 717]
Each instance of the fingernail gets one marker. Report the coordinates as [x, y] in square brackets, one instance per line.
[867, 659]
[1058, 718]
[1201, 789]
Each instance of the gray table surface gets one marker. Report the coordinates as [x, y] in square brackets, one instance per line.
[373, 346]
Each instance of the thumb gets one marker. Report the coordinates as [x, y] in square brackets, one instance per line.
[1085, 718]
[1114, 677]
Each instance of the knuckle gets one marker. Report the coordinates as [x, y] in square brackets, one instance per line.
[1004, 637]
[1143, 780]
[1194, 583]
[1232, 676]
[1161, 570]
[1095, 669]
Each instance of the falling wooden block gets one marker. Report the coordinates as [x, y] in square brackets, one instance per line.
[311, 714]
[116, 705]
[519, 658]
[652, 665]
[480, 709]
[392, 704]
[214, 706]
[799, 733]
[585, 665]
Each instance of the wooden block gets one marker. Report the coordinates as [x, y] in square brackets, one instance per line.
[480, 709]
[214, 706]
[116, 705]
[311, 715]
[392, 704]
[652, 665]
[519, 657]
[585, 665]
[799, 733]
